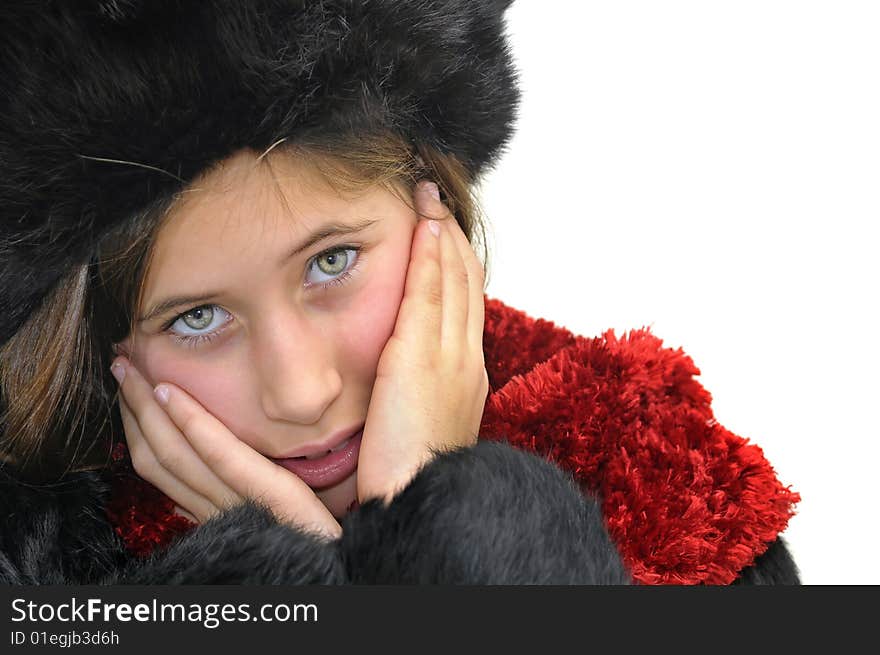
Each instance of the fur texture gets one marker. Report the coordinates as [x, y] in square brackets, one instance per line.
[685, 500]
[484, 515]
[109, 106]
[55, 533]
[521, 520]
[775, 567]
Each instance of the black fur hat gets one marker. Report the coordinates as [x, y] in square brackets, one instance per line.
[108, 106]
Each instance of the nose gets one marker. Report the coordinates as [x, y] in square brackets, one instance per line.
[299, 379]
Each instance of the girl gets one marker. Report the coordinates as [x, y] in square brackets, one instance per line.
[260, 215]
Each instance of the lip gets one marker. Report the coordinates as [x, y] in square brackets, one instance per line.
[328, 444]
[328, 470]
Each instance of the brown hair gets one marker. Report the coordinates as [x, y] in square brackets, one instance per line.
[57, 396]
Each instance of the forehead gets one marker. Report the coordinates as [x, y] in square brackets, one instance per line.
[247, 210]
[244, 192]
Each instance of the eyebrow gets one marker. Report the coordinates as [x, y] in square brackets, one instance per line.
[321, 234]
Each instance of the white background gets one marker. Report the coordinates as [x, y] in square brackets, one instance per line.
[712, 170]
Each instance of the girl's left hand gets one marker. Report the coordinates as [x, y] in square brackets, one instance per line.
[431, 381]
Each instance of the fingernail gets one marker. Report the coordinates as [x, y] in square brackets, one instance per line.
[118, 370]
[431, 188]
[434, 226]
[161, 393]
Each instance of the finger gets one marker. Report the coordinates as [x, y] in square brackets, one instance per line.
[421, 309]
[476, 280]
[168, 445]
[245, 470]
[147, 466]
[454, 276]
[475, 270]
[429, 206]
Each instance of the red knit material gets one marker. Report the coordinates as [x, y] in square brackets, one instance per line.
[685, 500]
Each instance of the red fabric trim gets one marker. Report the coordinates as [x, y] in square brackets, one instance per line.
[140, 514]
[686, 501]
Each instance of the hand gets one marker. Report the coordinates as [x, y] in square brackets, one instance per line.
[431, 381]
[189, 455]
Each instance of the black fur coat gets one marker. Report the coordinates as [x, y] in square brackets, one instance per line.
[490, 514]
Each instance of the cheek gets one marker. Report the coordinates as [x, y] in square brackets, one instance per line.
[368, 321]
[210, 384]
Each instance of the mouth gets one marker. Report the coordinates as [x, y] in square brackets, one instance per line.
[324, 454]
[333, 443]
[328, 467]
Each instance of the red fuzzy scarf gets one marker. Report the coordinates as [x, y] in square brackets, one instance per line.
[685, 500]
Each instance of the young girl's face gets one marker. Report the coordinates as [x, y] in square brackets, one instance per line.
[277, 336]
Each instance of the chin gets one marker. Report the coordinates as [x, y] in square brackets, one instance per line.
[340, 496]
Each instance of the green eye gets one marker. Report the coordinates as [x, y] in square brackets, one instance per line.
[192, 327]
[199, 318]
[336, 261]
[336, 264]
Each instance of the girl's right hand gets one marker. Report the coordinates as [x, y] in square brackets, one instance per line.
[189, 455]
[431, 380]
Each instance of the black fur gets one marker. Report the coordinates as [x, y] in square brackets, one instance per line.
[491, 514]
[172, 86]
[484, 515]
[55, 534]
[774, 567]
